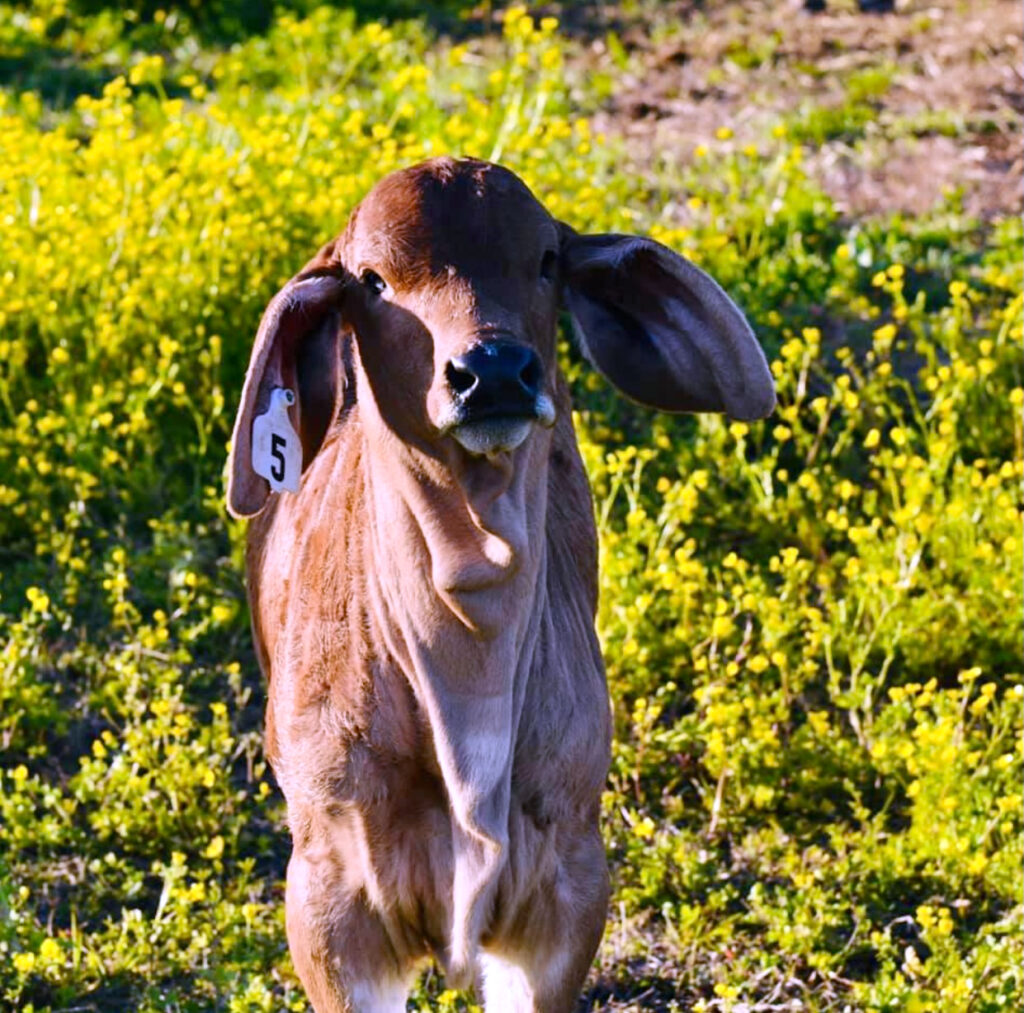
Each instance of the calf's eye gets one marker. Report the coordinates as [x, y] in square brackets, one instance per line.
[373, 281]
[549, 265]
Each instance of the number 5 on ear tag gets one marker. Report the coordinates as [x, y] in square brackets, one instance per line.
[276, 450]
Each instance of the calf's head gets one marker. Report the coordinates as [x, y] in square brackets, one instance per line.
[449, 276]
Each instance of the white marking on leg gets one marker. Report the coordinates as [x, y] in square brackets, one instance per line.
[505, 985]
[378, 996]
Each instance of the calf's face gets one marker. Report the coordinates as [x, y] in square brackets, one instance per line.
[455, 316]
[449, 275]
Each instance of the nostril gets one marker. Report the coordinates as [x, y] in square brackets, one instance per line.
[531, 375]
[460, 379]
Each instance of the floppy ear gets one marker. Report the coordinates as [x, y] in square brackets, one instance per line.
[662, 330]
[297, 348]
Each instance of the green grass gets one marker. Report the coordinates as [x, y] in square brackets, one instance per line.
[811, 625]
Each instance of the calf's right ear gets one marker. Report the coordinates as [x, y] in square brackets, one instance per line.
[297, 349]
[661, 329]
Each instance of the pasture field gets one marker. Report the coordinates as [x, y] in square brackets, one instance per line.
[812, 625]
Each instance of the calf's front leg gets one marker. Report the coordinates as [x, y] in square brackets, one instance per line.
[340, 948]
[538, 961]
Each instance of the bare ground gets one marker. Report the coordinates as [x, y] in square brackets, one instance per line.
[944, 80]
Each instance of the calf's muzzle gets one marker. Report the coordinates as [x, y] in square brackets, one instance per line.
[494, 379]
[495, 394]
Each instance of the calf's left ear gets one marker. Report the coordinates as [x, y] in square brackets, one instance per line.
[296, 349]
[660, 329]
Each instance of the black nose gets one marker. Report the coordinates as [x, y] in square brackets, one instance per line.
[496, 378]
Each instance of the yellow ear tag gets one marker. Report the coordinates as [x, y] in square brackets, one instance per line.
[276, 450]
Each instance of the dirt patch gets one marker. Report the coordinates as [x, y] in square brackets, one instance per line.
[897, 110]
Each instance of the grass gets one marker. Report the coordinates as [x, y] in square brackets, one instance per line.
[811, 625]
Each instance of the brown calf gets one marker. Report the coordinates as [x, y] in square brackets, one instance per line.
[423, 603]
